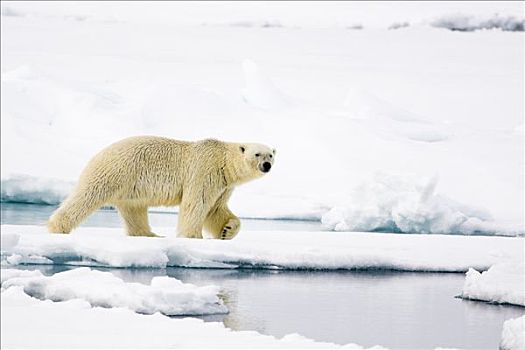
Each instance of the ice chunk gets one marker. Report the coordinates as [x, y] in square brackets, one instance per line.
[466, 23]
[165, 294]
[513, 334]
[401, 204]
[502, 283]
[35, 190]
[13, 273]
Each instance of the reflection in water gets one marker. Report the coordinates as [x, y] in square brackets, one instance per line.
[393, 309]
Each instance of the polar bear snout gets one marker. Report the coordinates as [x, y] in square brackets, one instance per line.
[265, 167]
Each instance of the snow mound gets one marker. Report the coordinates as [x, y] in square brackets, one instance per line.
[166, 295]
[513, 334]
[34, 190]
[400, 204]
[7, 274]
[122, 328]
[386, 118]
[107, 247]
[260, 91]
[398, 25]
[465, 23]
[502, 284]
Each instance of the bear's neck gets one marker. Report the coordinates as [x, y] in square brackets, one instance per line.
[235, 169]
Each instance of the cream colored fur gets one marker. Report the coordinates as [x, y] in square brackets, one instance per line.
[144, 171]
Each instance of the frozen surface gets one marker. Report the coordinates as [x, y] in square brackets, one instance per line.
[267, 15]
[6, 274]
[265, 250]
[513, 334]
[397, 204]
[338, 104]
[502, 283]
[470, 23]
[34, 190]
[121, 328]
[166, 295]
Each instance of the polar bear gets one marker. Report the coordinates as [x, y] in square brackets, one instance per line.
[144, 171]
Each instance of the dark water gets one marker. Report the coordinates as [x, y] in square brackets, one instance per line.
[33, 214]
[398, 310]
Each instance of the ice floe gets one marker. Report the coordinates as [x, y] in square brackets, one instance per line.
[65, 324]
[261, 249]
[34, 190]
[513, 334]
[166, 295]
[502, 283]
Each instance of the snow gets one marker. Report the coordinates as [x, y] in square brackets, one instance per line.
[74, 323]
[337, 111]
[166, 295]
[502, 283]
[30, 189]
[248, 15]
[8, 241]
[262, 249]
[470, 23]
[6, 274]
[513, 334]
[260, 92]
[397, 204]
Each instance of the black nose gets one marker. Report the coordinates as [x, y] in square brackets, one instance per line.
[266, 167]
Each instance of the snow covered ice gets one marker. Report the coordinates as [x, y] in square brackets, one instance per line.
[166, 295]
[502, 283]
[397, 204]
[265, 250]
[34, 190]
[30, 316]
[471, 23]
[513, 334]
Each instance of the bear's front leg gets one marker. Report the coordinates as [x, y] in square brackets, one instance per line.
[192, 213]
[221, 222]
[188, 226]
[230, 230]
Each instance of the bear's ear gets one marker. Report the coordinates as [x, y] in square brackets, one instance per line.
[242, 149]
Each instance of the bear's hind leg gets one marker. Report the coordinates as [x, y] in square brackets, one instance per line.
[135, 219]
[72, 212]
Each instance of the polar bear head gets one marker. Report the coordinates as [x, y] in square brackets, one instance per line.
[259, 158]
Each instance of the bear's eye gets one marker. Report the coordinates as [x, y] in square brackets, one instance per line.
[257, 154]
[271, 156]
